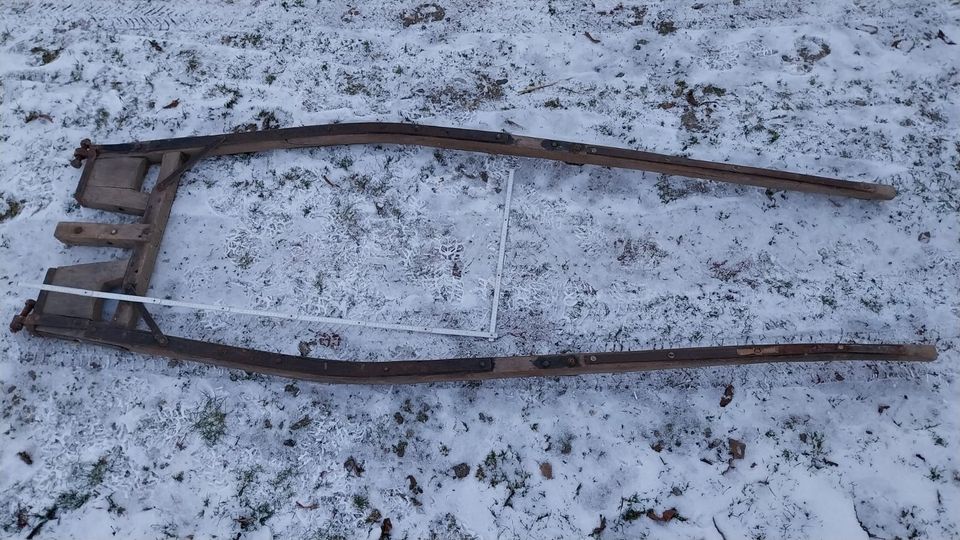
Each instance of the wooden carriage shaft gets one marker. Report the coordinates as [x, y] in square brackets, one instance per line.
[466, 369]
[500, 143]
[112, 180]
[177, 155]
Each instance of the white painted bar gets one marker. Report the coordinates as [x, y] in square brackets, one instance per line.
[503, 245]
[255, 312]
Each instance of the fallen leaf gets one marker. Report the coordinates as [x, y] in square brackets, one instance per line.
[667, 105]
[156, 46]
[350, 14]
[727, 396]
[385, 529]
[173, 104]
[351, 465]
[738, 449]
[943, 37]
[663, 518]
[597, 531]
[461, 471]
[546, 469]
[34, 115]
[413, 486]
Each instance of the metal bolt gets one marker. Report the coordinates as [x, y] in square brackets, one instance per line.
[113, 231]
[546, 363]
[483, 363]
[593, 359]
[385, 369]
[671, 355]
[592, 150]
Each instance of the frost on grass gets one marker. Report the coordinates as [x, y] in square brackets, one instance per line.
[211, 421]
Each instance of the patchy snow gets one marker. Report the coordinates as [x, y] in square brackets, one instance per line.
[596, 260]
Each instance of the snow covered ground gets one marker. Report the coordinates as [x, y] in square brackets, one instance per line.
[96, 444]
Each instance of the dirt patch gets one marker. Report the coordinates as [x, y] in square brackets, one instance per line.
[10, 208]
[809, 51]
[665, 27]
[468, 94]
[424, 13]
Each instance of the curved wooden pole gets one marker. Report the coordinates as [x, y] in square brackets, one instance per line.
[464, 369]
[500, 143]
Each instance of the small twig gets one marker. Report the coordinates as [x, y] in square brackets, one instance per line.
[311, 506]
[870, 534]
[572, 91]
[327, 180]
[591, 38]
[534, 88]
[717, 527]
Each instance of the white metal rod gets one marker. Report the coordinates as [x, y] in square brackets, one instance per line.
[503, 245]
[254, 312]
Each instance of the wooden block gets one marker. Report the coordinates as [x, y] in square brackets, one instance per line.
[101, 276]
[118, 172]
[102, 234]
[125, 201]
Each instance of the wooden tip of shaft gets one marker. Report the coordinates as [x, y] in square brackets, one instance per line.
[920, 353]
[885, 192]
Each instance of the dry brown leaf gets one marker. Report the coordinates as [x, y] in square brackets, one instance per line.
[662, 518]
[738, 449]
[727, 396]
